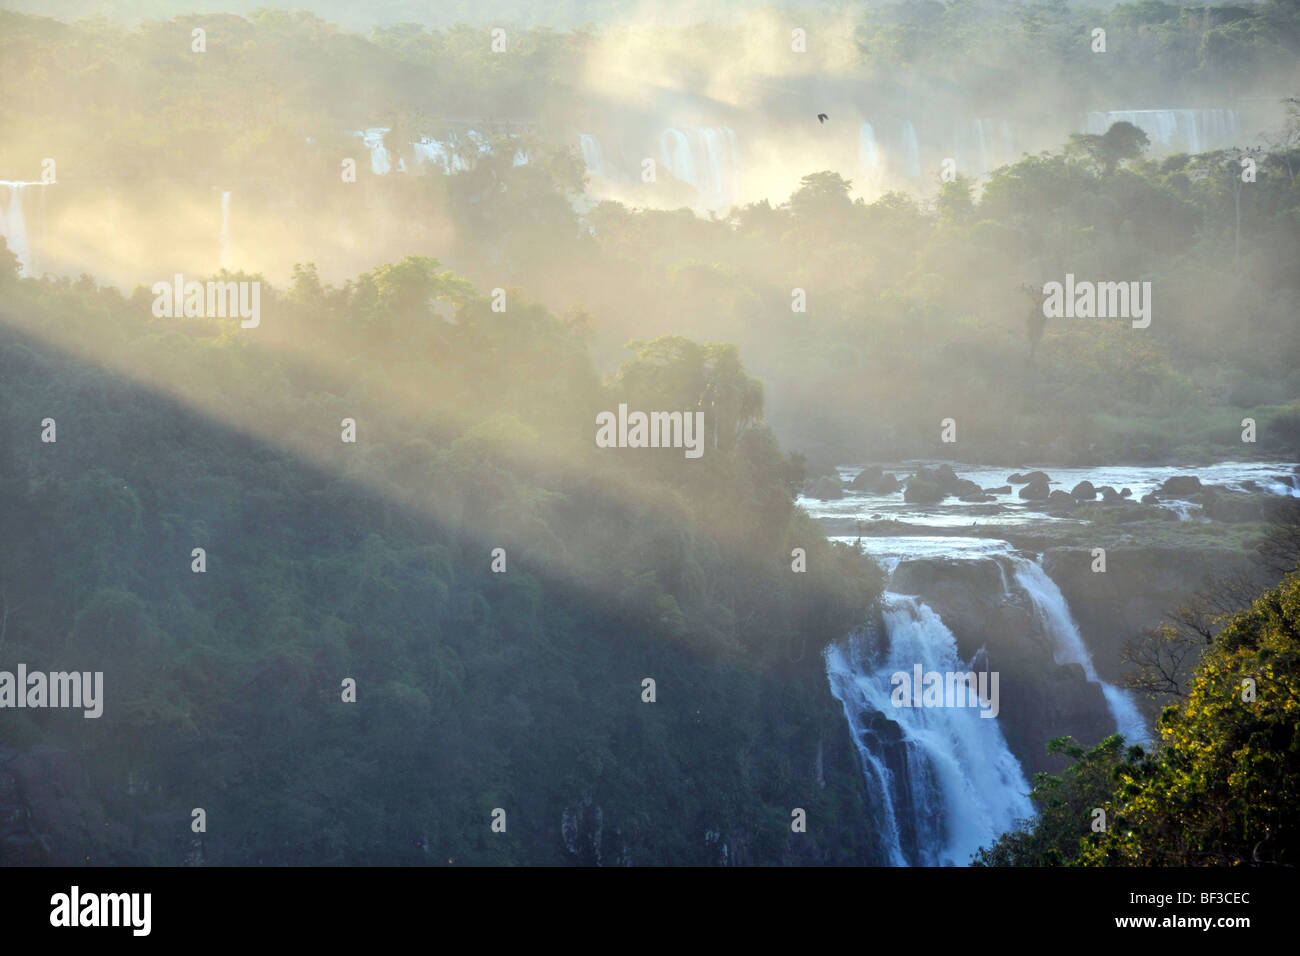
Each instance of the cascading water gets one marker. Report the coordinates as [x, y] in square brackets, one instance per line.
[1193, 131]
[1068, 646]
[868, 149]
[13, 226]
[1288, 485]
[675, 153]
[591, 155]
[373, 139]
[942, 779]
[704, 158]
[911, 151]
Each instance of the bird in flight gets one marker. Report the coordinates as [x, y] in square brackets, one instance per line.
[822, 117]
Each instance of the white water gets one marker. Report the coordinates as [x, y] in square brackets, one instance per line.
[373, 139]
[13, 226]
[911, 151]
[868, 150]
[591, 155]
[1010, 509]
[959, 787]
[1068, 646]
[1192, 131]
[703, 157]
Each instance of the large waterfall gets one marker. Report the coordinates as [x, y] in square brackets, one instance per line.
[703, 157]
[940, 779]
[1191, 131]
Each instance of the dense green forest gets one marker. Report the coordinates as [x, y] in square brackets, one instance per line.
[327, 560]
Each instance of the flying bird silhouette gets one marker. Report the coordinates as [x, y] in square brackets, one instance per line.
[822, 117]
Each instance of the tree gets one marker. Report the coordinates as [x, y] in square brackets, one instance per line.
[1121, 142]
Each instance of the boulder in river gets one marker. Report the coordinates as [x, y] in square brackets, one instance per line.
[875, 481]
[1028, 477]
[1109, 495]
[1180, 486]
[1084, 491]
[1060, 499]
[1037, 490]
[825, 488]
[1003, 490]
[867, 478]
[922, 489]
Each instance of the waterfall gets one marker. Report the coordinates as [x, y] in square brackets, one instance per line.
[868, 150]
[13, 226]
[704, 157]
[429, 150]
[373, 139]
[675, 152]
[1288, 485]
[911, 151]
[225, 229]
[941, 780]
[1068, 646]
[1192, 131]
[591, 155]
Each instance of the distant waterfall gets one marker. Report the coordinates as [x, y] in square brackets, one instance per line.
[225, 229]
[1191, 131]
[429, 150]
[1068, 646]
[942, 781]
[868, 149]
[373, 139]
[703, 157]
[13, 226]
[675, 153]
[591, 155]
[911, 151]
